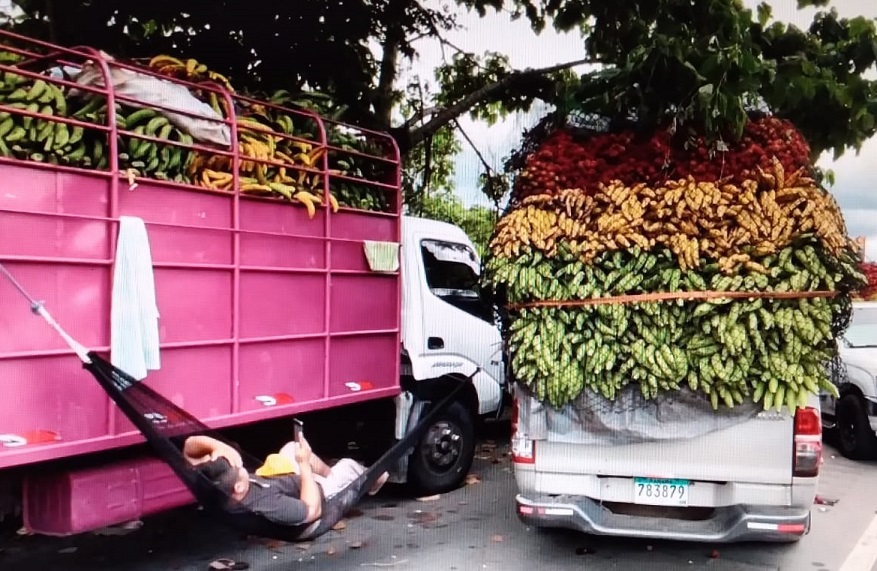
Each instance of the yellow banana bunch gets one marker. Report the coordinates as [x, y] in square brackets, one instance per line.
[693, 219]
[259, 142]
[189, 69]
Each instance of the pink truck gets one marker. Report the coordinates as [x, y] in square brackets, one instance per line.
[268, 305]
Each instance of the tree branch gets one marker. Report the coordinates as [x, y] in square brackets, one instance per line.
[410, 139]
[422, 113]
[474, 148]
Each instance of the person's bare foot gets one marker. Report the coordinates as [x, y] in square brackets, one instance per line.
[379, 484]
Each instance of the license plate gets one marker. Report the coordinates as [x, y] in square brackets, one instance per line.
[660, 492]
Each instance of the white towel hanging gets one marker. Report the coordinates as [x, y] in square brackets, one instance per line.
[134, 345]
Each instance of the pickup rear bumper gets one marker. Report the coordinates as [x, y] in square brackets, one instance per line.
[727, 524]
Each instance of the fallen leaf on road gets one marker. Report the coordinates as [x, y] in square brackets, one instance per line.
[472, 479]
[340, 525]
[228, 565]
[356, 545]
[429, 498]
[383, 517]
[497, 538]
[273, 544]
[424, 518]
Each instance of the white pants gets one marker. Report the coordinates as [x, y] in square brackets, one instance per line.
[340, 475]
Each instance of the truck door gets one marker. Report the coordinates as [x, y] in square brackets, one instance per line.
[457, 324]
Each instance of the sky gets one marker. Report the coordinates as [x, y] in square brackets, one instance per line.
[856, 176]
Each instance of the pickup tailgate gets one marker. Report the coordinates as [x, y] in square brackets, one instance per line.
[759, 451]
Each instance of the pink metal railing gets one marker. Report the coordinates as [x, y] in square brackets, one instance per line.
[237, 246]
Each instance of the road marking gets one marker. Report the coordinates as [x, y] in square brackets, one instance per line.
[864, 554]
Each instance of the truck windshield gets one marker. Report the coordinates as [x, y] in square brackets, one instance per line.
[862, 331]
[861, 335]
[452, 275]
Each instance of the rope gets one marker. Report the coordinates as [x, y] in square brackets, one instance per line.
[38, 308]
[671, 295]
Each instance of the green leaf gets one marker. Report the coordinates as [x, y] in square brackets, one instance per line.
[694, 71]
[815, 3]
[709, 66]
[764, 13]
[860, 26]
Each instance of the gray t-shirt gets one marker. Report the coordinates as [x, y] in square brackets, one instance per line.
[276, 499]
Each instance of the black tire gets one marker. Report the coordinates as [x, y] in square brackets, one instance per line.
[444, 454]
[855, 438]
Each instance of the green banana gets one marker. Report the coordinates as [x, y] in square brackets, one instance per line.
[155, 124]
[18, 133]
[140, 117]
[6, 126]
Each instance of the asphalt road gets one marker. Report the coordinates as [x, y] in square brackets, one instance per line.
[470, 529]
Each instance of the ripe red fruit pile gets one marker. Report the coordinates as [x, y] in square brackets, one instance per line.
[563, 162]
[869, 292]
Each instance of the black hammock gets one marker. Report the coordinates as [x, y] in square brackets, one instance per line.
[167, 426]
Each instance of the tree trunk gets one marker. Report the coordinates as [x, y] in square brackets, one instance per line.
[395, 34]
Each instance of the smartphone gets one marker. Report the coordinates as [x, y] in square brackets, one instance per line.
[297, 428]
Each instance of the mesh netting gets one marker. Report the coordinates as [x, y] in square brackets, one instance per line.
[595, 187]
[581, 125]
[837, 371]
[167, 426]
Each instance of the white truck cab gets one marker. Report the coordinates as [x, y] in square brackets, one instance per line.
[853, 416]
[448, 332]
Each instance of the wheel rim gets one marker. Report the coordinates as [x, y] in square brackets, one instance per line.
[847, 433]
[442, 446]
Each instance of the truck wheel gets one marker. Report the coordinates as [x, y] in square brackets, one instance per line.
[856, 439]
[444, 453]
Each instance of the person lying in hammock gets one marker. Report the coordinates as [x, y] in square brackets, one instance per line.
[289, 489]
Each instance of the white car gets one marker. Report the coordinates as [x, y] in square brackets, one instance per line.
[853, 416]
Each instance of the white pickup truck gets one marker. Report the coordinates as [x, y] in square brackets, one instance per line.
[853, 417]
[699, 477]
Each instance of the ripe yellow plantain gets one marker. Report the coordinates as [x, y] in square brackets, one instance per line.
[308, 200]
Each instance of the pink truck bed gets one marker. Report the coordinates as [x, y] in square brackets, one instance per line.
[256, 300]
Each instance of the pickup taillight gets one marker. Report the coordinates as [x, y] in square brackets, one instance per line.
[808, 442]
[523, 449]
